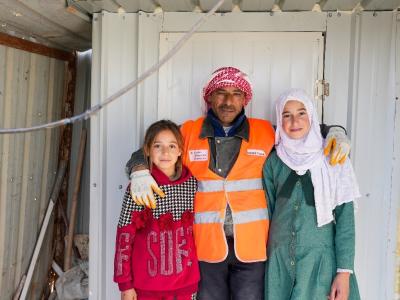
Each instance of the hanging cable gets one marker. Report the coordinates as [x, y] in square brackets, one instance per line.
[88, 113]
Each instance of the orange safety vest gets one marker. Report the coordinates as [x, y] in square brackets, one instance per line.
[242, 189]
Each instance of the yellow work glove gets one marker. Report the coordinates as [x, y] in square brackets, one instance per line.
[337, 145]
[142, 187]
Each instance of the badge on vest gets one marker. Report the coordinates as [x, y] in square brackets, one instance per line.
[198, 155]
[256, 152]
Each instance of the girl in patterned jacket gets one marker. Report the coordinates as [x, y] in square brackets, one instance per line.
[155, 255]
[310, 205]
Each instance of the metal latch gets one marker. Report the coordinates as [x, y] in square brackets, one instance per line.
[321, 88]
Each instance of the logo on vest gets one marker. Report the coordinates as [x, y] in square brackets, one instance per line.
[256, 152]
[198, 155]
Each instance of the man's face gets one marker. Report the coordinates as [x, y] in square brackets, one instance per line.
[227, 103]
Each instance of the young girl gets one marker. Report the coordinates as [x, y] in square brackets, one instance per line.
[310, 204]
[155, 254]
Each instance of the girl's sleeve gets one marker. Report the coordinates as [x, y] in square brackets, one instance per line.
[269, 186]
[124, 245]
[345, 236]
[138, 159]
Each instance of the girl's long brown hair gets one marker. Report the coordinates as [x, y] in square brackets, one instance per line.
[151, 134]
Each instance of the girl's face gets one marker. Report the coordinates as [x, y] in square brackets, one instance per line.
[164, 152]
[295, 121]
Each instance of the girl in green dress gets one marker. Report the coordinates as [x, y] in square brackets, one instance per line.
[310, 204]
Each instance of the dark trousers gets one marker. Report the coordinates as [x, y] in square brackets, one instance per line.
[231, 279]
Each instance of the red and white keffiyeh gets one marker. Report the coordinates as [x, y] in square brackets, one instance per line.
[225, 77]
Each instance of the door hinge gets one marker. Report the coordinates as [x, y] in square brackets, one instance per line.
[321, 88]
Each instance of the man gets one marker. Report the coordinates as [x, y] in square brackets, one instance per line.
[225, 151]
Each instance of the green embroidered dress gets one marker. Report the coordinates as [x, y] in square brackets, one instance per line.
[303, 258]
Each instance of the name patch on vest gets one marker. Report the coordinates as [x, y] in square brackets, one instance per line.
[256, 152]
[198, 155]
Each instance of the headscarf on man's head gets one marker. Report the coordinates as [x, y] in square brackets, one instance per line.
[228, 77]
[333, 185]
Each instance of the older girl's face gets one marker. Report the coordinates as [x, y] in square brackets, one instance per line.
[295, 120]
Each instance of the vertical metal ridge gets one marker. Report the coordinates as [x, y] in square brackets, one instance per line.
[25, 170]
[48, 138]
[4, 165]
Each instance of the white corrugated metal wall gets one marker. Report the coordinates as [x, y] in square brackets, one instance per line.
[359, 60]
[81, 103]
[371, 118]
[396, 156]
[114, 128]
[31, 93]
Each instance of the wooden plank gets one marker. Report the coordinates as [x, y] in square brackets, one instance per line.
[67, 108]
[18, 43]
[74, 204]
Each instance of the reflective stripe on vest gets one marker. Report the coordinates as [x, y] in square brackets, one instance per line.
[242, 217]
[207, 217]
[248, 216]
[230, 186]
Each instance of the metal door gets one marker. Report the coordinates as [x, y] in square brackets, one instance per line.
[274, 62]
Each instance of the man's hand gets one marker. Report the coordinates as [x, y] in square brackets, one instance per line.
[337, 145]
[129, 295]
[340, 287]
[142, 187]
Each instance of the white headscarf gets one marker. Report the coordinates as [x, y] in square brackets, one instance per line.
[333, 185]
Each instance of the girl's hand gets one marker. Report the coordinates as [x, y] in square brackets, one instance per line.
[340, 287]
[129, 295]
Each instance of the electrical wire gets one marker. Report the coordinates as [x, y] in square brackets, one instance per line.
[88, 113]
